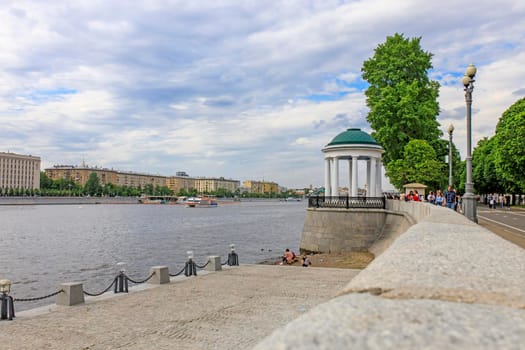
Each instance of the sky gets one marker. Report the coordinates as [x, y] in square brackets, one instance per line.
[247, 90]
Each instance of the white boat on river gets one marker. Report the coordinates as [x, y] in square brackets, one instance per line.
[200, 202]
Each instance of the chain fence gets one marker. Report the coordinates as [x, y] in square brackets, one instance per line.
[39, 298]
[104, 291]
[142, 281]
[120, 281]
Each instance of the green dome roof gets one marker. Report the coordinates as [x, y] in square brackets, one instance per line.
[353, 136]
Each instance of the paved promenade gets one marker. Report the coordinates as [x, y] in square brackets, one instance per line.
[229, 309]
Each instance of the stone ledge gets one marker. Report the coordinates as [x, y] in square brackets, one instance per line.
[447, 294]
[444, 283]
[363, 321]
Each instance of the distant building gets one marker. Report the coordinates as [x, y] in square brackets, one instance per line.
[261, 186]
[299, 192]
[201, 184]
[80, 175]
[212, 184]
[180, 182]
[19, 171]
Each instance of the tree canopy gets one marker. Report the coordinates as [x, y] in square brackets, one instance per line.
[509, 151]
[498, 163]
[92, 186]
[484, 167]
[401, 97]
[419, 164]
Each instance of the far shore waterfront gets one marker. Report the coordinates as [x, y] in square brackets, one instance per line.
[40, 200]
[37, 200]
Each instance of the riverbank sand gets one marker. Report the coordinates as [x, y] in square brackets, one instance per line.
[230, 309]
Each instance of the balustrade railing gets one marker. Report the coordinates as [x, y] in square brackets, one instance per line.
[347, 202]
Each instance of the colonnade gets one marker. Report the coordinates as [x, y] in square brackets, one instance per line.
[373, 175]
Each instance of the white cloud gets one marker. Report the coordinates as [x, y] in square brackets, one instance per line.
[229, 89]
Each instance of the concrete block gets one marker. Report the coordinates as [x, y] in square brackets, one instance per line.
[73, 294]
[214, 263]
[161, 275]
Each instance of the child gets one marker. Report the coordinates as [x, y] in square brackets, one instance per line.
[306, 262]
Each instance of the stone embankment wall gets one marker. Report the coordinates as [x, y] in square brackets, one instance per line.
[445, 283]
[332, 230]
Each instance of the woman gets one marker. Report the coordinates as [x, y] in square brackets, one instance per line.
[439, 198]
[288, 257]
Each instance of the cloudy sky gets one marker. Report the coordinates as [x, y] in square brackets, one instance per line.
[240, 89]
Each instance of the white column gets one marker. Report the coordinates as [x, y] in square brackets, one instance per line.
[349, 177]
[373, 177]
[335, 184]
[354, 176]
[327, 189]
[368, 181]
[379, 186]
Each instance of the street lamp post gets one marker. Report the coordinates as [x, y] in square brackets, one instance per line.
[450, 178]
[469, 200]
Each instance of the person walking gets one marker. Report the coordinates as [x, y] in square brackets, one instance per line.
[439, 198]
[450, 198]
[431, 198]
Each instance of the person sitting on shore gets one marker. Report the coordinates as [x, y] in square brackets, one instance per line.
[306, 261]
[288, 256]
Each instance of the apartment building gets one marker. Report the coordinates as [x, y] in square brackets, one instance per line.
[202, 184]
[80, 175]
[207, 184]
[19, 171]
[261, 186]
[180, 182]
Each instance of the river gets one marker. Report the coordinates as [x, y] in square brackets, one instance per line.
[45, 245]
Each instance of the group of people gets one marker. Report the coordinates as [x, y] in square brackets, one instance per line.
[450, 198]
[289, 258]
[495, 200]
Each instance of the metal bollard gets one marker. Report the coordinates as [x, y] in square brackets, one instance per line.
[233, 258]
[7, 306]
[121, 281]
[190, 268]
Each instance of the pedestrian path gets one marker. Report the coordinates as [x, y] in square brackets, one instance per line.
[230, 309]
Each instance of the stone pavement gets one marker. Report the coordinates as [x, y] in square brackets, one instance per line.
[446, 283]
[230, 309]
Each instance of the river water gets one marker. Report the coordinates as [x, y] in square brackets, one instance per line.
[45, 245]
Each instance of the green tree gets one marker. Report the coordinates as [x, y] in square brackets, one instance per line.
[419, 164]
[45, 181]
[149, 189]
[222, 192]
[509, 148]
[484, 173]
[92, 184]
[401, 97]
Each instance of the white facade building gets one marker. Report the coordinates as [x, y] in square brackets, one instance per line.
[19, 171]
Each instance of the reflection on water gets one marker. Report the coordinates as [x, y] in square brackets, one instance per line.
[43, 246]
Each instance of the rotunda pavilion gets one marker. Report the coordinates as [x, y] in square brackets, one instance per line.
[353, 145]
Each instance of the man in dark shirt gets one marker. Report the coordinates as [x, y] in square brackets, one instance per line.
[450, 197]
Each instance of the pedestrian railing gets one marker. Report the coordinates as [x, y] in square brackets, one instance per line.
[347, 202]
[73, 293]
